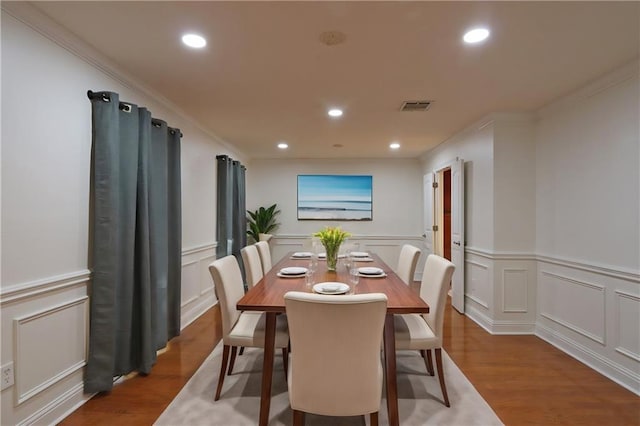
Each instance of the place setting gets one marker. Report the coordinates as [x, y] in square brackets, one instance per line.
[331, 288]
[302, 255]
[360, 256]
[371, 272]
[292, 272]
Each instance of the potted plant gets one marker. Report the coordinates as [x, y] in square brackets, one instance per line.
[262, 222]
[331, 238]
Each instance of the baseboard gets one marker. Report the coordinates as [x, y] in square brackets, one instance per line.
[626, 378]
[59, 408]
[198, 309]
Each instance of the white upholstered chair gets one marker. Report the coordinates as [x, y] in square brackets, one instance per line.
[407, 262]
[335, 367]
[265, 255]
[252, 265]
[245, 329]
[423, 332]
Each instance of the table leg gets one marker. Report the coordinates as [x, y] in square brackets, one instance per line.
[267, 367]
[390, 370]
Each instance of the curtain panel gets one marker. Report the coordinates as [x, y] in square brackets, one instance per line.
[231, 229]
[136, 239]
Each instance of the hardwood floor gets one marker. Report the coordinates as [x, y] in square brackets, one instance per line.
[525, 380]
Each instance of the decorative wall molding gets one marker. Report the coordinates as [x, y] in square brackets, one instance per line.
[44, 285]
[199, 249]
[607, 270]
[24, 343]
[522, 291]
[598, 339]
[51, 413]
[620, 324]
[616, 372]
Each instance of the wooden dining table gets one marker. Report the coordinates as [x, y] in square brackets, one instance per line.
[268, 296]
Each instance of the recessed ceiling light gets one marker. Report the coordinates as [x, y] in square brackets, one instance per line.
[335, 112]
[476, 35]
[394, 145]
[194, 40]
[283, 145]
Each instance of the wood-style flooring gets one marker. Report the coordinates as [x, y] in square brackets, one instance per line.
[524, 379]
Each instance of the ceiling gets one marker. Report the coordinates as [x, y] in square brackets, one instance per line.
[266, 77]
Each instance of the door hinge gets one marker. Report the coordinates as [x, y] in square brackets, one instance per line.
[434, 185]
[434, 227]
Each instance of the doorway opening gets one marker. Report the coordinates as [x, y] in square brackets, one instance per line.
[443, 213]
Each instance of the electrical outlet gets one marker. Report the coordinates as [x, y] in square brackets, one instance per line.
[6, 376]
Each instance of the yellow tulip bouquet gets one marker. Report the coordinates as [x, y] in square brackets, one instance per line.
[331, 238]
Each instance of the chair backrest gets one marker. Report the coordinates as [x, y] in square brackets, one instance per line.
[335, 344]
[265, 255]
[252, 264]
[436, 280]
[227, 280]
[407, 262]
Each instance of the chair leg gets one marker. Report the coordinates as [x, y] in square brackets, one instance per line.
[223, 367]
[374, 419]
[285, 361]
[241, 350]
[441, 376]
[428, 362]
[298, 418]
[234, 350]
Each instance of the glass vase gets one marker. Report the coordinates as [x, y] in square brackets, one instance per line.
[332, 256]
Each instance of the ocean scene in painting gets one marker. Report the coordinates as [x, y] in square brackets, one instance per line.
[337, 197]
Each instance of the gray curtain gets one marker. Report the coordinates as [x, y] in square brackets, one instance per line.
[231, 227]
[136, 240]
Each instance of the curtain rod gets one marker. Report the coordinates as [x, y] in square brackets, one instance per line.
[106, 97]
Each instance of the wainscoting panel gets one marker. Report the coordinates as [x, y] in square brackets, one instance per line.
[514, 290]
[478, 282]
[627, 312]
[65, 346]
[592, 313]
[557, 300]
[197, 286]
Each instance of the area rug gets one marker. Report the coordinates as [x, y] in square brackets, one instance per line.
[419, 396]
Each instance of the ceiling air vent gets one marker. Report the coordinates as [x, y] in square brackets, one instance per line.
[415, 105]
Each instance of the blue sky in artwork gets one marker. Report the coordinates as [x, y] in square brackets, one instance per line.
[334, 188]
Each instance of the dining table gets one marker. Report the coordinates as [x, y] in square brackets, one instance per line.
[268, 296]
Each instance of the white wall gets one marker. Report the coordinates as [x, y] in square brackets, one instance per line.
[46, 144]
[587, 232]
[587, 160]
[562, 254]
[397, 201]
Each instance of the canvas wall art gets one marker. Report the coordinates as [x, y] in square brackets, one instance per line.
[335, 197]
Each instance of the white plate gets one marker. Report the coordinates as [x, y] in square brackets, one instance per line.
[331, 288]
[359, 254]
[370, 271]
[302, 254]
[382, 275]
[293, 270]
[281, 275]
[363, 259]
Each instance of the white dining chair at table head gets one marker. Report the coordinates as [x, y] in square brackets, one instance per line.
[335, 367]
[423, 332]
[252, 265]
[240, 329]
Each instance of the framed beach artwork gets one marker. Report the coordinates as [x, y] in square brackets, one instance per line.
[335, 197]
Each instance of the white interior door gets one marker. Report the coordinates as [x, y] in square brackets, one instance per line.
[429, 206]
[457, 234]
